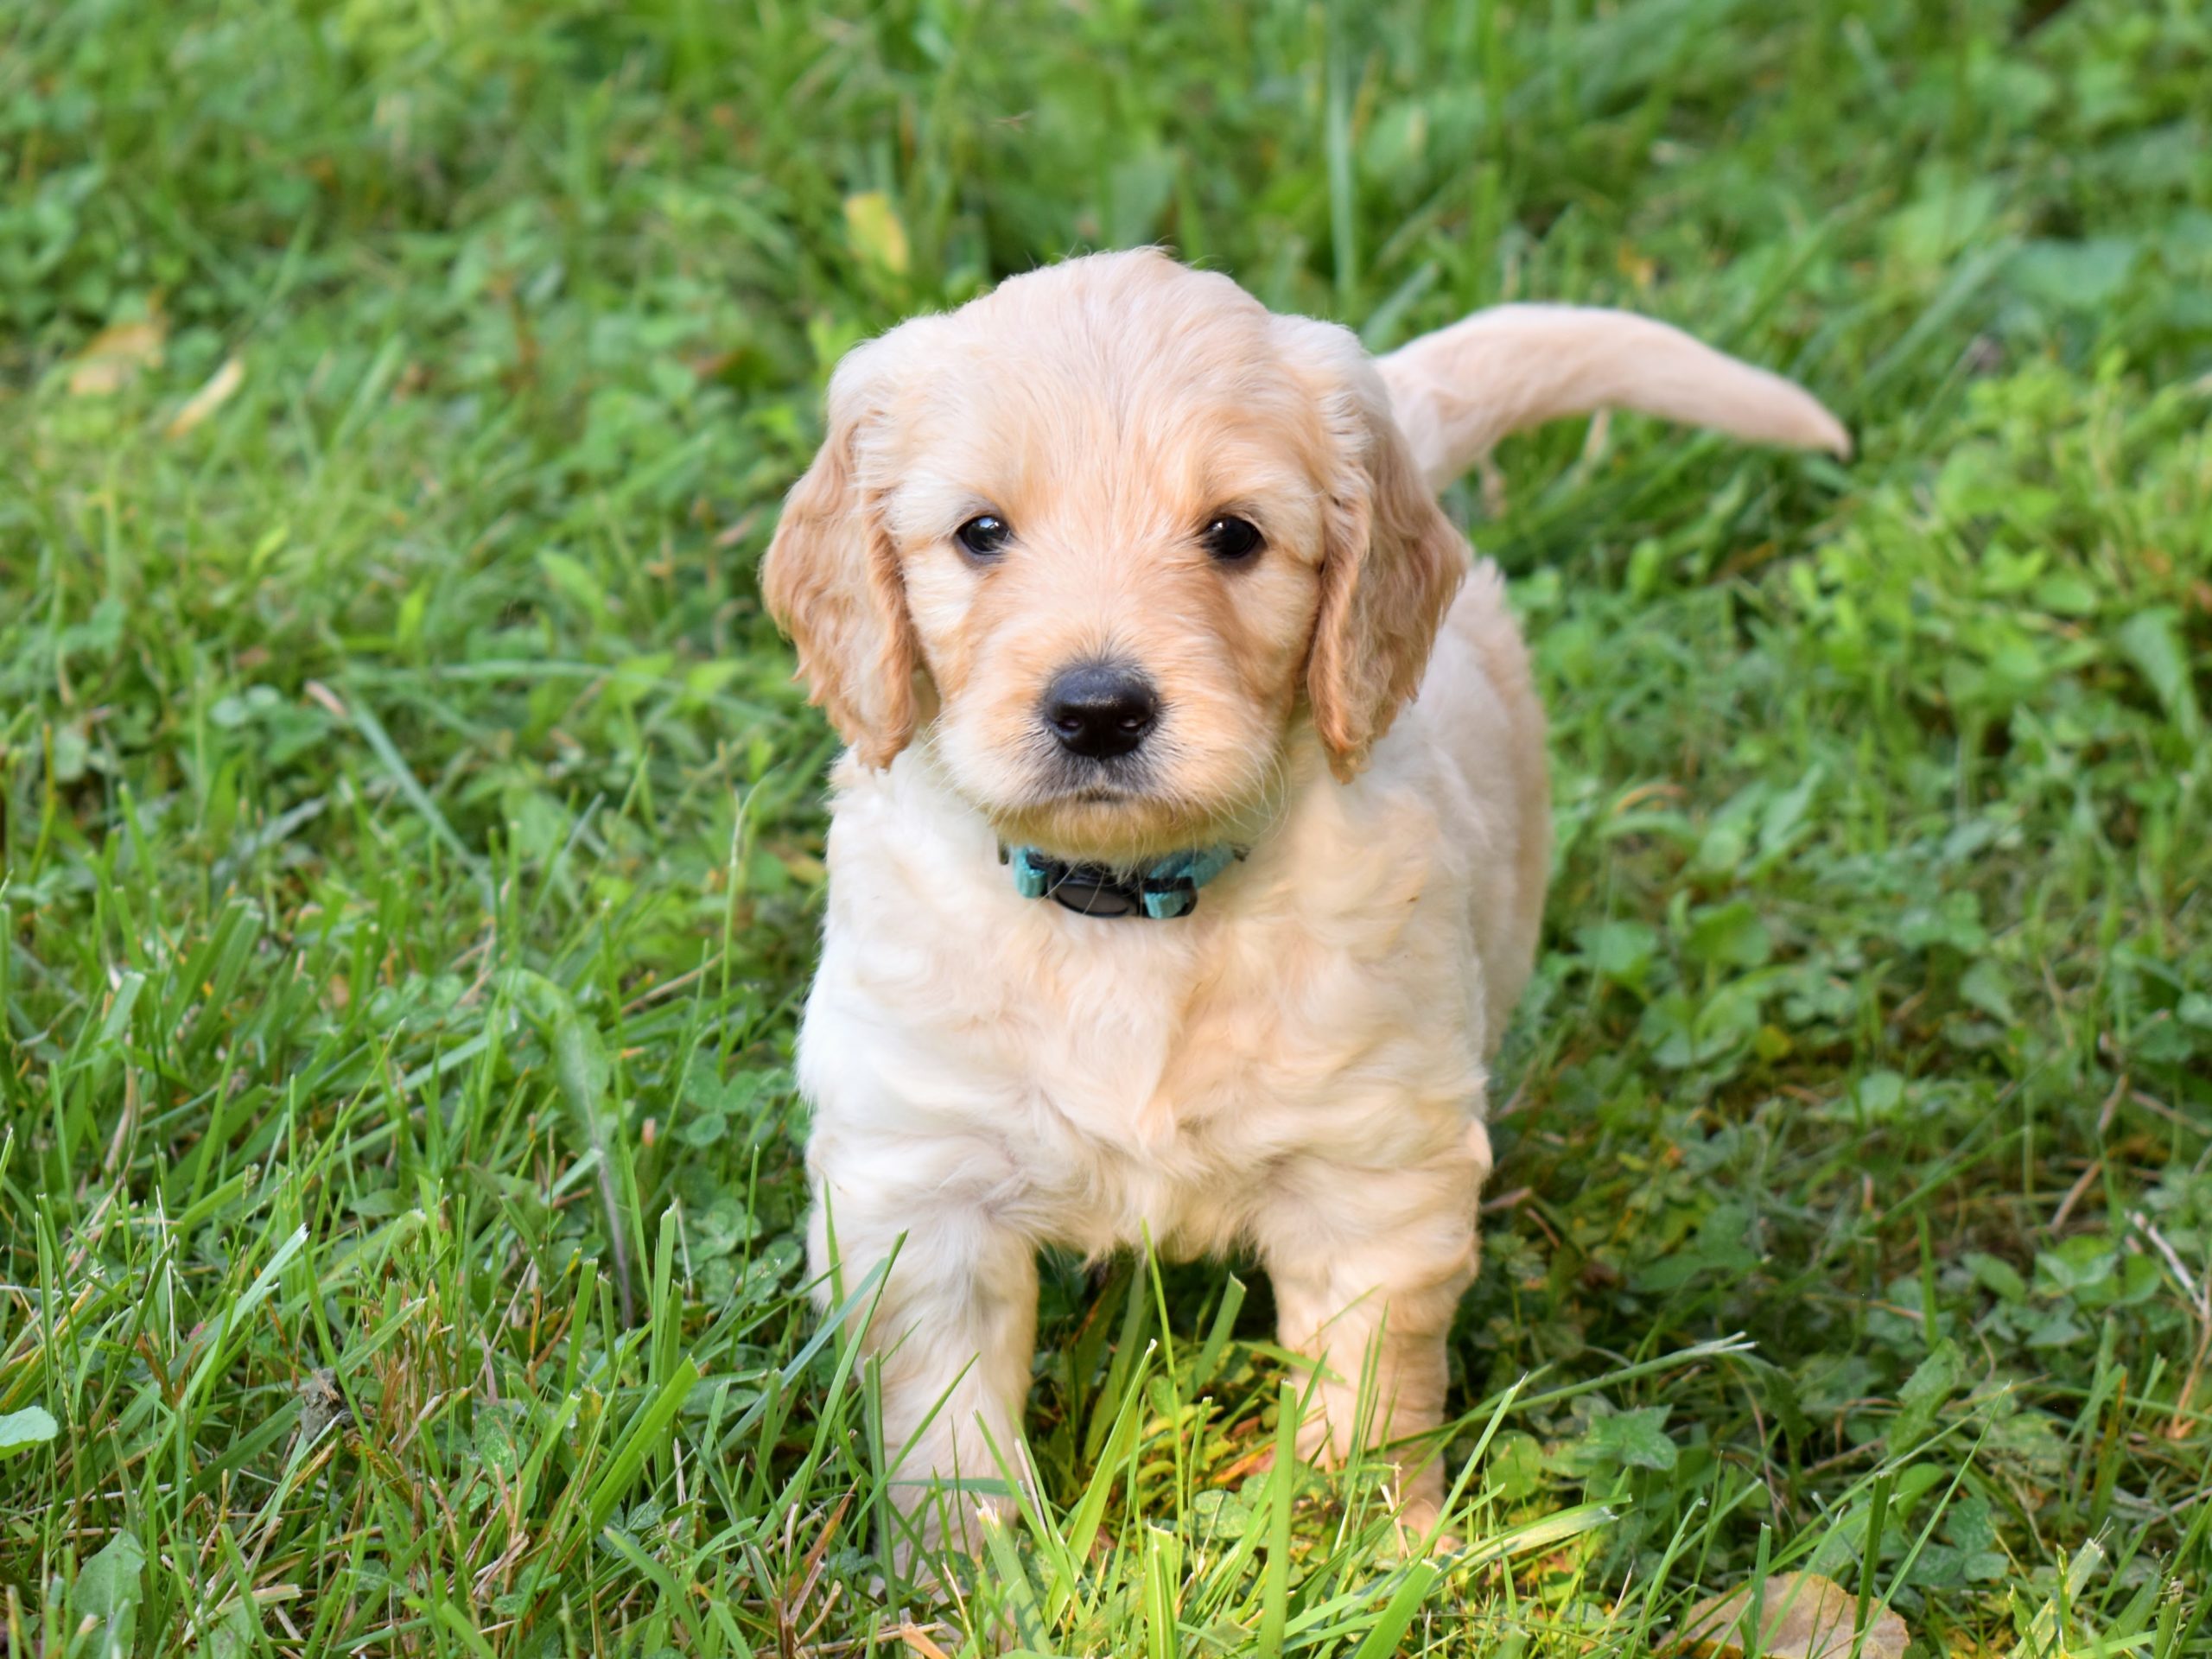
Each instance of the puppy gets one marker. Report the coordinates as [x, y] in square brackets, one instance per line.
[1160, 912]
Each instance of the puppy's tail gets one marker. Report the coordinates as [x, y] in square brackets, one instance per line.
[1456, 393]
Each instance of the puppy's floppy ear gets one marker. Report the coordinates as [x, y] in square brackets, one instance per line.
[831, 577]
[1391, 560]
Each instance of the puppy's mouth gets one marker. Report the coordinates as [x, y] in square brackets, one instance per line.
[1118, 809]
[1109, 820]
[1060, 779]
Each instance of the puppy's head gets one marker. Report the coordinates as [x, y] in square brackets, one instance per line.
[1108, 531]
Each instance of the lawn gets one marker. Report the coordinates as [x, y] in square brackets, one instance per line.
[411, 836]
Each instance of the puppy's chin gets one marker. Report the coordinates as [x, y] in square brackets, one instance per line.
[1123, 813]
[1108, 825]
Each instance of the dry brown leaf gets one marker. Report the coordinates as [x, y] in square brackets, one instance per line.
[918, 1641]
[326, 699]
[1801, 1616]
[209, 398]
[111, 359]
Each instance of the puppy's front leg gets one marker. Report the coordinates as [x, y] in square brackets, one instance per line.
[954, 1330]
[1368, 1267]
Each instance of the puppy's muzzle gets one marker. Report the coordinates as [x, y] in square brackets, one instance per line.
[1100, 710]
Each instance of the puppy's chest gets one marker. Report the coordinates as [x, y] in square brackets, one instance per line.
[1125, 1075]
[1134, 1103]
[1182, 1056]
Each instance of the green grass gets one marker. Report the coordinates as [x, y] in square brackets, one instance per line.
[410, 836]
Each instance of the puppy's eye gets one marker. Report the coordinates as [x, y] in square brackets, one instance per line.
[1230, 539]
[984, 536]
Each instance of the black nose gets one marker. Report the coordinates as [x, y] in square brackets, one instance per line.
[1098, 710]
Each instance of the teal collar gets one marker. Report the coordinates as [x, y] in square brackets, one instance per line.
[1165, 888]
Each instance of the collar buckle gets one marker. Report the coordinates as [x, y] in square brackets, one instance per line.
[1167, 889]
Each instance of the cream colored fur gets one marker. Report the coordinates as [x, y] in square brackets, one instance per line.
[1456, 393]
[1298, 1067]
